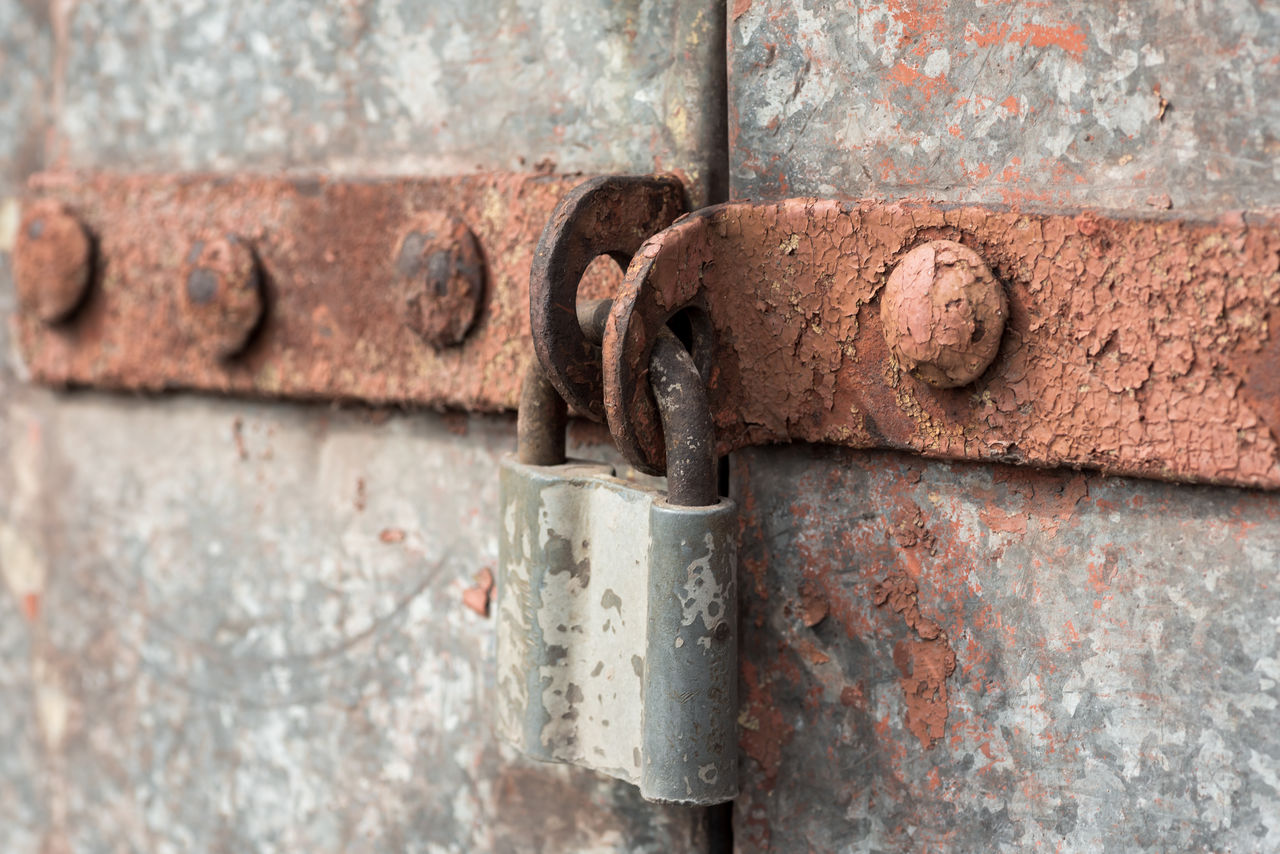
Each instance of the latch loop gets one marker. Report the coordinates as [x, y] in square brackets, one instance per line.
[610, 216]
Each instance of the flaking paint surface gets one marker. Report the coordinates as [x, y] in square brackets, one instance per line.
[236, 627]
[1003, 659]
[334, 325]
[613, 653]
[594, 614]
[1127, 347]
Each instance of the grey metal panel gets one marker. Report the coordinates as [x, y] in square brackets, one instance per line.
[960, 658]
[248, 634]
[982, 658]
[1092, 103]
[691, 669]
[396, 86]
[25, 50]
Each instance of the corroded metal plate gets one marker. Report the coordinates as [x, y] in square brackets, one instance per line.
[334, 323]
[1132, 346]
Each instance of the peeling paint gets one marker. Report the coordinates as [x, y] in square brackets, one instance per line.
[1126, 346]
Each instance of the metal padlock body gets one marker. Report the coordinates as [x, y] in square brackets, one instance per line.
[617, 630]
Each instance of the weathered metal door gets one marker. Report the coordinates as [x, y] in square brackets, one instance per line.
[237, 624]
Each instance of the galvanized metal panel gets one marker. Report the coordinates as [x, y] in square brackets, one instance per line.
[395, 85]
[953, 657]
[1162, 103]
[959, 658]
[25, 49]
[247, 632]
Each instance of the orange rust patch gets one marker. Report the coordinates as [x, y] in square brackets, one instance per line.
[477, 597]
[813, 604]
[1067, 37]
[854, 696]
[905, 75]
[925, 663]
[762, 729]
[810, 652]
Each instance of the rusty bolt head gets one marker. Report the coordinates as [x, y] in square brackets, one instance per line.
[943, 313]
[441, 276]
[221, 295]
[51, 261]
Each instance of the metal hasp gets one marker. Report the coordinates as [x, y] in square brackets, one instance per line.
[617, 605]
[1133, 346]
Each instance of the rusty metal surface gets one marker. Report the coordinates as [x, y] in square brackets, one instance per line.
[1125, 350]
[52, 261]
[953, 657]
[688, 432]
[256, 635]
[329, 255]
[1092, 103]
[441, 272]
[943, 314]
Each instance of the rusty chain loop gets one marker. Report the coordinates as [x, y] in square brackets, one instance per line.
[681, 397]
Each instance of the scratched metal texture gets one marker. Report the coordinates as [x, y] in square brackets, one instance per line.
[617, 644]
[209, 643]
[24, 810]
[247, 633]
[1091, 103]
[446, 87]
[1115, 645]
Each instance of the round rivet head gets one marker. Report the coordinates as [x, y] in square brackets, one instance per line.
[52, 261]
[441, 278]
[221, 295]
[943, 313]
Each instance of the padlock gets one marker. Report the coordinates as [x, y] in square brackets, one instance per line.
[617, 603]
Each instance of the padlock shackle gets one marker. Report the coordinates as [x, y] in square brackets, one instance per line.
[543, 415]
[687, 428]
[540, 421]
[682, 405]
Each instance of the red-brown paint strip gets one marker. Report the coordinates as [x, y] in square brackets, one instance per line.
[1125, 350]
[333, 325]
